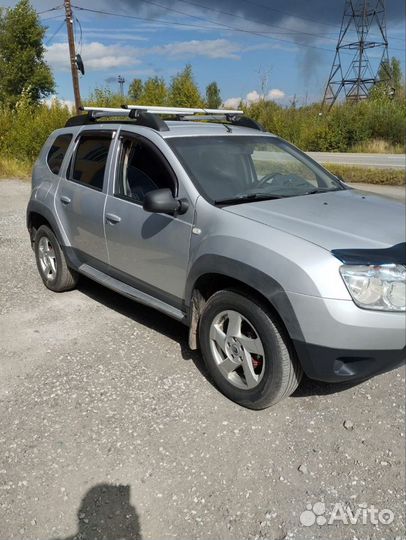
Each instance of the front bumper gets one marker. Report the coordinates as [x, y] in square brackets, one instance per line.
[341, 342]
[335, 365]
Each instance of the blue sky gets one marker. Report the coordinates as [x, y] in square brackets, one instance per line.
[280, 48]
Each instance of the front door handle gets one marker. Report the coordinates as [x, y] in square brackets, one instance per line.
[112, 218]
[65, 200]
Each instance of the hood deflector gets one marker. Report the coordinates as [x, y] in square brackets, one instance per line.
[393, 255]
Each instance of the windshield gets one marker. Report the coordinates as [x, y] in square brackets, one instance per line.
[229, 169]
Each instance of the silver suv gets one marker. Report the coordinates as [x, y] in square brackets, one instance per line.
[276, 266]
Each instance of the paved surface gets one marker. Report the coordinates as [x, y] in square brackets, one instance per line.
[382, 161]
[108, 428]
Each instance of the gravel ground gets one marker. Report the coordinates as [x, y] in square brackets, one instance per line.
[109, 429]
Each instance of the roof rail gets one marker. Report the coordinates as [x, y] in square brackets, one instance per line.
[149, 116]
[181, 110]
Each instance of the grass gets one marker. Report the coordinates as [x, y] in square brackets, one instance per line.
[365, 175]
[12, 168]
[378, 146]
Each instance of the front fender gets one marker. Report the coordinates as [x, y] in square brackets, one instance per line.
[254, 278]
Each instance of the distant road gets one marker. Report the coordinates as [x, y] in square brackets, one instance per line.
[389, 161]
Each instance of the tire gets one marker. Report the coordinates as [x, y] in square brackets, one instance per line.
[246, 351]
[51, 262]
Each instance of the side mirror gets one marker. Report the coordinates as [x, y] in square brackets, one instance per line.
[163, 202]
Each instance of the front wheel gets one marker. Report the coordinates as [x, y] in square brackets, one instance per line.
[246, 352]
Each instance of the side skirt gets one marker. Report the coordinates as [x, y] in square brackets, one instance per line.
[132, 292]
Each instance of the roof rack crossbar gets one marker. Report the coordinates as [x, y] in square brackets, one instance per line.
[149, 116]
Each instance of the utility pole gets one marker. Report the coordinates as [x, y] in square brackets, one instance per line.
[72, 54]
[121, 82]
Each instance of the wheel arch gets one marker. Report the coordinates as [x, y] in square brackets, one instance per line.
[212, 273]
[38, 214]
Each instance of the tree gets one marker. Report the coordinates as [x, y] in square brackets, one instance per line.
[155, 92]
[213, 98]
[184, 91]
[390, 81]
[22, 65]
[136, 89]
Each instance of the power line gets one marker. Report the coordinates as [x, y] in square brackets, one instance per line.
[50, 9]
[55, 33]
[222, 25]
[236, 15]
[76, 20]
[52, 18]
[331, 25]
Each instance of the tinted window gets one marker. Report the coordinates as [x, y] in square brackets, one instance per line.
[141, 169]
[57, 152]
[90, 160]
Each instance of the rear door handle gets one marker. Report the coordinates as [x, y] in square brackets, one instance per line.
[65, 199]
[112, 218]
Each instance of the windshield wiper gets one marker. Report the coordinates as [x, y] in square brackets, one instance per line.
[321, 190]
[249, 198]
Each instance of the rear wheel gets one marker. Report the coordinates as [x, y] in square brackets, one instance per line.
[246, 352]
[51, 262]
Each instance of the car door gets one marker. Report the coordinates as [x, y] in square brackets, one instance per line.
[148, 251]
[81, 196]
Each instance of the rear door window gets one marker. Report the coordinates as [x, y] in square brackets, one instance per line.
[57, 152]
[89, 162]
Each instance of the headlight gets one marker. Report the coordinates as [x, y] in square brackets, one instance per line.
[377, 287]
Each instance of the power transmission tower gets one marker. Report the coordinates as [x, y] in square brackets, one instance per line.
[356, 77]
[72, 54]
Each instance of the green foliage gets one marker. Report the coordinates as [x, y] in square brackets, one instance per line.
[135, 89]
[346, 126]
[184, 91]
[213, 97]
[391, 85]
[22, 65]
[104, 97]
[25, 128]
[155, 92]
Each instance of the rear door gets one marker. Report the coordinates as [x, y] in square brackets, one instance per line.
[148, 251]
[81, 196]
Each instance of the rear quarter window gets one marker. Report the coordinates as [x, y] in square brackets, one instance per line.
[57, 152]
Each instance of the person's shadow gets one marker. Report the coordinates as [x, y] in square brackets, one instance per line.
[106, 513]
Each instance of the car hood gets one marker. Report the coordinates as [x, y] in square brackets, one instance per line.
[348, 219]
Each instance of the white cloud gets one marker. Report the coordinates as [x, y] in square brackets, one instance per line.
[254, 97]
[211, 48]
[95, 57]
[98, 57]
[232, 103]
[275, 94]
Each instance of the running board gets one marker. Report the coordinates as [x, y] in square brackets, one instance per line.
[131, 292]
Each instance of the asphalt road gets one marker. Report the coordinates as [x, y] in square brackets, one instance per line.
[109, 429]
[382, 161]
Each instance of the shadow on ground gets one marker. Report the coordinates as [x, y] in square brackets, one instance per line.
[106, 513]
[178, 332]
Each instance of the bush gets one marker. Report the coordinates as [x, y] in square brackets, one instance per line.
[24, 130]
[346, 126]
